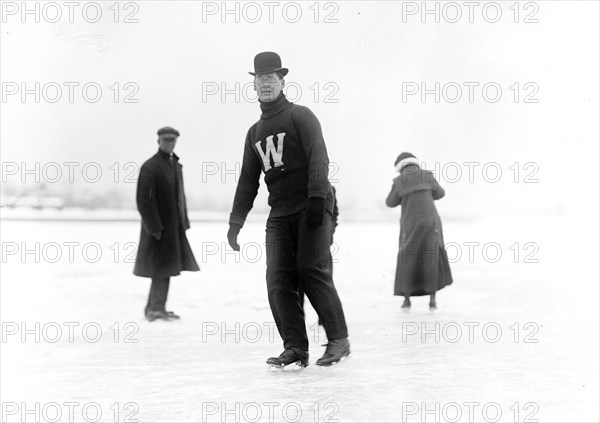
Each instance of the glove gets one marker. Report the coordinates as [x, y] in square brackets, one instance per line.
[315, 212]
[232, 235]
[157, 235]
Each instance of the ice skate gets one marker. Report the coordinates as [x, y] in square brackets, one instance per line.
[406, 304]
[152, 315]
[432, 302]
[337, 349]
[172, 315]
[288, 356]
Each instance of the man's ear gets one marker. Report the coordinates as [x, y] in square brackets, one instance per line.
[282, 82]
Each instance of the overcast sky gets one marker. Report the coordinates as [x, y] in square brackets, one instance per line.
[352, 73]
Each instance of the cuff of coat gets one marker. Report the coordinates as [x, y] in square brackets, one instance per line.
[317, 194]
[236, 219]
[153, 229]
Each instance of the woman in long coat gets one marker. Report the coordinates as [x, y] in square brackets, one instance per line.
[422, 266]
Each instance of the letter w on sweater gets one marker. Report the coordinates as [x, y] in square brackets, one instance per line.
[271, 152]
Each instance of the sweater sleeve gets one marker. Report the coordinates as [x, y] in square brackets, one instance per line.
[247, 187]
[336, 211]
[146, 201]
[311, 138]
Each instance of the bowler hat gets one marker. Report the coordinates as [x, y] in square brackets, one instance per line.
[167, 130]
[267, 62]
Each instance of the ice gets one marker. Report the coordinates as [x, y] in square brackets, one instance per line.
[182, 371]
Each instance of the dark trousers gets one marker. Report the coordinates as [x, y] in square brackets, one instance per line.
[159, 290]
[298, 256]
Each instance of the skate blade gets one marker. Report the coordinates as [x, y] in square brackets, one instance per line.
[154, 319]
[287, 367]
[341, 360]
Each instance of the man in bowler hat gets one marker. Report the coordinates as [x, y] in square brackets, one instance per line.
[164, 250]
[287, 145]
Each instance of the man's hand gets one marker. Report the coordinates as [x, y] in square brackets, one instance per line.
[157, 235]
[232, 235]
[315, 212]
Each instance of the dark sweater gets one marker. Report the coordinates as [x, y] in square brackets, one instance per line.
[287, 145]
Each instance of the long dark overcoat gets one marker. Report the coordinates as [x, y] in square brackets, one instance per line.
[161, 203]
[422, 266]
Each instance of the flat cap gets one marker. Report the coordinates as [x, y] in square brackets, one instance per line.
[167, 130]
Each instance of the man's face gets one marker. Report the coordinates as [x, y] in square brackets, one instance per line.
[166, 143]
[268, 86]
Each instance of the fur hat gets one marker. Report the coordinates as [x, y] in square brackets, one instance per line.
[404, 160]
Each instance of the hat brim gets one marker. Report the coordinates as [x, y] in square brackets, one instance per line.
[283, 71]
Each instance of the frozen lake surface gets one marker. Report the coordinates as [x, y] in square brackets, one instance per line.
[513, 340]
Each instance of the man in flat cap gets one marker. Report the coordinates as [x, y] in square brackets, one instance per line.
[287, 145]
[164, 250]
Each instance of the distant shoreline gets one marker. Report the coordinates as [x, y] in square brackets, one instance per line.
[117, 215]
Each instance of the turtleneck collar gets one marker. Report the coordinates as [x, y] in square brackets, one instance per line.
[273, 108]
